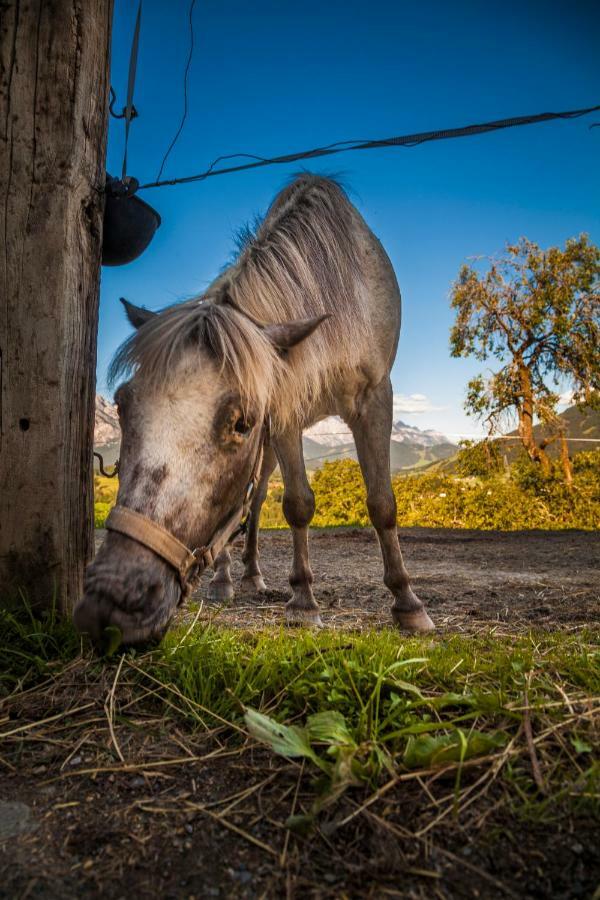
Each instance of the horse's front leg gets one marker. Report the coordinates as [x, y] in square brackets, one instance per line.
[298, 509]
[252, 580]
[221, 586]
[371, 430]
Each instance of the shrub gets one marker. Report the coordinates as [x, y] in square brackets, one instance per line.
[524, 500]
[479, 458]
[105, 497]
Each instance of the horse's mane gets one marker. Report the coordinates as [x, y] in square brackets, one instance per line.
[301, 261]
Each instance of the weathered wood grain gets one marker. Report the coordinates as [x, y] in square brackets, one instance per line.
[54, 65]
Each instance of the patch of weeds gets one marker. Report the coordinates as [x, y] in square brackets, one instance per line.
[32, 643]
[360, 707]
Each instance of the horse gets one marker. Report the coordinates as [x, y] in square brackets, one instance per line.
[303, 324]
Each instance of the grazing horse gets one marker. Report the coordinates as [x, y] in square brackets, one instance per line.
[304, 324]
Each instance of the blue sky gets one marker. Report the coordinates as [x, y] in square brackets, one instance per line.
[275, 77]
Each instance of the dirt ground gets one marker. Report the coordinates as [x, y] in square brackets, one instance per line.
[468, 579]
[75, 821]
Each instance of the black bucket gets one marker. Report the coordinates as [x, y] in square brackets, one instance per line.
[129, 223]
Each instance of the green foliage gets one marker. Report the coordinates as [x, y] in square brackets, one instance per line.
[105, 497]
[271, 515]
[479, 459]
[525, 500]
[588, 461]
[31, 642]
[357, 706]
[340, 494]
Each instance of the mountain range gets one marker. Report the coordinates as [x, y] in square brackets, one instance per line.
[410, 447]
[329, 439]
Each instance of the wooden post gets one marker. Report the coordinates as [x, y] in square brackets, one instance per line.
[54, 57]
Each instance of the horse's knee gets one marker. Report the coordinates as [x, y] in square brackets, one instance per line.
[299, 508]
[382, 509]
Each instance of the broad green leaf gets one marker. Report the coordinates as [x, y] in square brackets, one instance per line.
[287, 740]
[431, 750]
[329, 726]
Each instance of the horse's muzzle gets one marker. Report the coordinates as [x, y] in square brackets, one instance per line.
[133, 596]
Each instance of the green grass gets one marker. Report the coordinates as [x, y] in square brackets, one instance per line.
[360, 707]
[364, 707]
[33, 644]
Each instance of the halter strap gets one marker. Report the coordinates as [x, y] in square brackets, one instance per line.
[187, 563]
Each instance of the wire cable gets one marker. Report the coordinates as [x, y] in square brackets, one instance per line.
[185, 91]
[407, 140]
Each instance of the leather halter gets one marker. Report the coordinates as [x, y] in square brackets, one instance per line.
[189, 564]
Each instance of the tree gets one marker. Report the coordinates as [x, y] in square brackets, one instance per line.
[54, 61]
[537, 313]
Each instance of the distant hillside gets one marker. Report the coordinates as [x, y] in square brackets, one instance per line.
[329, 439]
[583, 430]
[580, 424]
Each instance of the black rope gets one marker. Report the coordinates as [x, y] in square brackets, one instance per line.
[185, 91]
[407, 140]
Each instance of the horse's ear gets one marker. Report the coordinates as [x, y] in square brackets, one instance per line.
[288, 334]
[137, 315]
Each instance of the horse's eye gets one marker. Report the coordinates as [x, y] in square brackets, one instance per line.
[242, 427]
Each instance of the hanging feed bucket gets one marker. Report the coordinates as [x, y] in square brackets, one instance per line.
[129, 223]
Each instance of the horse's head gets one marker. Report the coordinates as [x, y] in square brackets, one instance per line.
[192, 420]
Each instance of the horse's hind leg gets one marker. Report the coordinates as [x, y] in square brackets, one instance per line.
[221, 586]
[252, 580]
[298, 509]
[372, 429]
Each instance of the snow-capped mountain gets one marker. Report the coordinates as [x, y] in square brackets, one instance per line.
[410, 448]
[410, 433]
[333, 432]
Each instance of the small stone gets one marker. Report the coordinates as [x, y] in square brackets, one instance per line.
[15, 818]
[75, 761]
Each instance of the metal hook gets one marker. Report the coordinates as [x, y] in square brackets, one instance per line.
[122, 115]
[103, 471]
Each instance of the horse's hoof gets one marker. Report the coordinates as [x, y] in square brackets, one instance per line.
[220, 591]
[416, 621]
[303, 618]
[252, 584]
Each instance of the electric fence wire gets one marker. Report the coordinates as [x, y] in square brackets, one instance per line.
[407, 140]
[185, 91]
